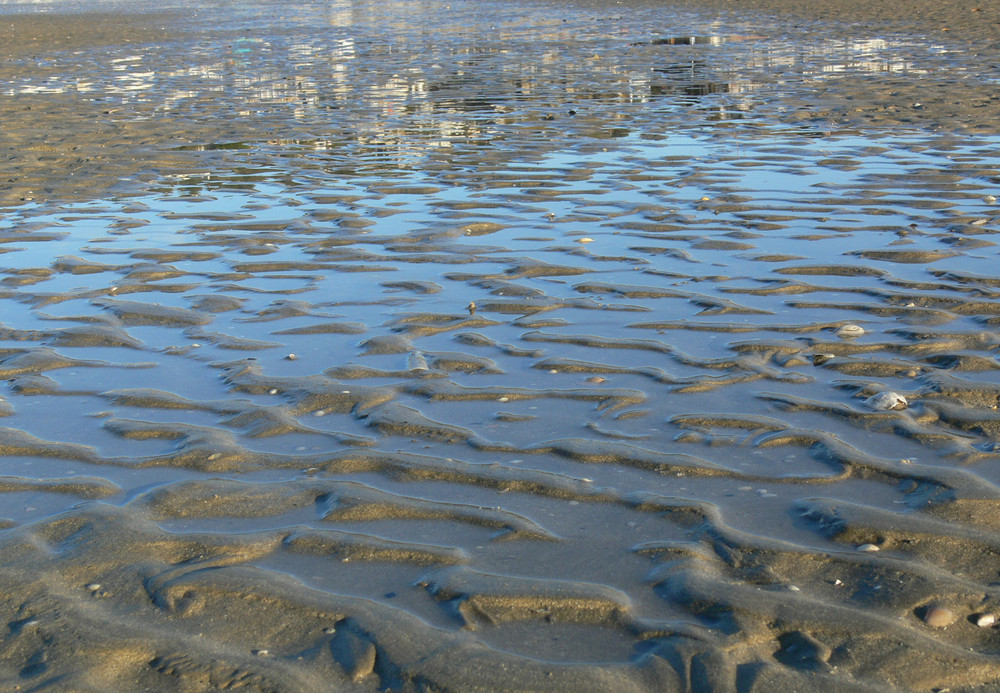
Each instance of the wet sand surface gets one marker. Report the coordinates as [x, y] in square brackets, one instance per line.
[463, 346]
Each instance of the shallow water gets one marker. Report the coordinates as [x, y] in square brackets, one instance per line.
[409, 344]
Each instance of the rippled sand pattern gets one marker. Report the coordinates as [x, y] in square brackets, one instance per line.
[406, 346]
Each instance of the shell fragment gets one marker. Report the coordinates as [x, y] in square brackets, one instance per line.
[849, 331]
[885, 401]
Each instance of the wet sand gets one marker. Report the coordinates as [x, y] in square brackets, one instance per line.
[454, 347]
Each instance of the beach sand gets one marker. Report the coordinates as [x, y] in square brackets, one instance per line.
[461, 346]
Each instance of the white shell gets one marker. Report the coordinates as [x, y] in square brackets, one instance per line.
[868, 547]
[986, 620]
[417, 362]
[887, 400]
[848, 331]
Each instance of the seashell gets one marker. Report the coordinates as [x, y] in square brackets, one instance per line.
[416, 362]
[938, 617]
[885, 401]
[820, 359]
[870, 548]
[849, 331]
[986, 620]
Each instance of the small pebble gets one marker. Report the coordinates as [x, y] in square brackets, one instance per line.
[272, 391]
[938, 617]
[585, 240]
[986, 620]
[93, 587]
[989, 199]
[319, 412]
[596, 380]
[820, 359]
[291, 357]
[261, 653]
[868, 547]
